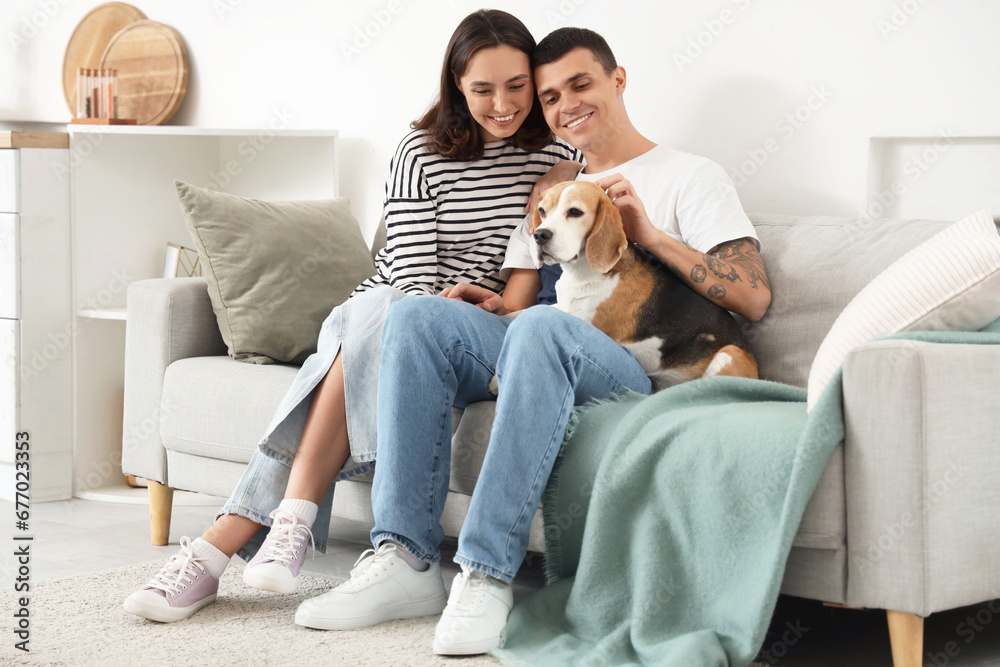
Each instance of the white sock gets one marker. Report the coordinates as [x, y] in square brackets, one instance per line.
[410, 559]
[214, 560]
[304, 510]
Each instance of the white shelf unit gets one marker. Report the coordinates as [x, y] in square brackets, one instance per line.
[125, 210]
[35, 320]
[103, 313]
[939, 177]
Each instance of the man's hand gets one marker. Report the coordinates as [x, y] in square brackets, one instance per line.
[477, 296]
[638, 227]
[565, 170]
[731, 274]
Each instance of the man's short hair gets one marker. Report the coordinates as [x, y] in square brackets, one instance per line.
[560, 42]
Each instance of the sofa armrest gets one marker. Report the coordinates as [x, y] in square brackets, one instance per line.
[922, 475]
[167, 319]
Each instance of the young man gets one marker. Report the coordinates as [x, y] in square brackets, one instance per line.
[443, 352]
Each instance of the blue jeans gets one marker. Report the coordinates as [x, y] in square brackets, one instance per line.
[438, 353]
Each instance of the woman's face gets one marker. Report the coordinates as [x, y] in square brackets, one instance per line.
[498, 89]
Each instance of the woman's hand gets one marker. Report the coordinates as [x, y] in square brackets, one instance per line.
[477, 296]
[564, 170]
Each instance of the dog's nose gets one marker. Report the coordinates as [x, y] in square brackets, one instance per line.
[543, 236]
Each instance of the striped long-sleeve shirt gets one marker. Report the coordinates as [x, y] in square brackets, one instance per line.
[448, 221]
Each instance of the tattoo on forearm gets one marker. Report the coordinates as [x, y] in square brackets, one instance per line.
[721, 268]
[717, 292]
[734, 261]
[739, 254]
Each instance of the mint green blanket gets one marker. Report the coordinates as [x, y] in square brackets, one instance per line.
[669, 518]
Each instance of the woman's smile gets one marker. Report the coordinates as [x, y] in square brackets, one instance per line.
[504, 121]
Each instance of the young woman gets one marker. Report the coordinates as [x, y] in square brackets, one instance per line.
[457, 187]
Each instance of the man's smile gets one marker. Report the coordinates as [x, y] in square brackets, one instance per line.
[576, 121]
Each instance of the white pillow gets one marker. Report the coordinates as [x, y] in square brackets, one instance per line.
[950, 282]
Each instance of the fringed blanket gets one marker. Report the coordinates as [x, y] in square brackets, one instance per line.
[669, 519]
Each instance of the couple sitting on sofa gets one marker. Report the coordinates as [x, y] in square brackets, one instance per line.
[457, 188]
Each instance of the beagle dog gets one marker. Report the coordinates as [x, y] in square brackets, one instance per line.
[675, 333]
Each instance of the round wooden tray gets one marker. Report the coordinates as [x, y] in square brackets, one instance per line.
[152, 71]
[89, 40]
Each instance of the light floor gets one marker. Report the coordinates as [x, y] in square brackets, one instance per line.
[79, 536]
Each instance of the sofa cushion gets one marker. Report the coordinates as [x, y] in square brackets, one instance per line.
[275, 270]
[824, 521]
[218, 408]
[470, 438]
[949, 282]
[816, 265]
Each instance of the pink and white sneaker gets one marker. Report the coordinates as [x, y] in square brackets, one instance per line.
[177, 591]
[276, 566]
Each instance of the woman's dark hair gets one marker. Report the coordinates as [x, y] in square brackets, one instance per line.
[451, 129]
[560, 42]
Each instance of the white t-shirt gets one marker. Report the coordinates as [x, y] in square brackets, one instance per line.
[687, 196]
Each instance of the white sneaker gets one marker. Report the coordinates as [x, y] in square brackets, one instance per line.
[475, 616]
[382, 588]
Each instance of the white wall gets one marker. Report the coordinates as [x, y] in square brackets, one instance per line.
[868, 68]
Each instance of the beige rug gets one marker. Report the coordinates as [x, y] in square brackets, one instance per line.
[79, 622]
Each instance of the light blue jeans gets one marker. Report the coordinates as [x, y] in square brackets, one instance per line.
[438, 353]
[354, 329]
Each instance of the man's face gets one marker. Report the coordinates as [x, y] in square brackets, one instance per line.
[581, 103]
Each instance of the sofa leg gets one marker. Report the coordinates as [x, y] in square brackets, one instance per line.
[161, 499]
[906, 634]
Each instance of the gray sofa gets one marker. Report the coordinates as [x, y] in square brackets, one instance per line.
[905, 517]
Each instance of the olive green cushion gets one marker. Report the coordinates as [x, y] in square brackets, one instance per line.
[276, 269]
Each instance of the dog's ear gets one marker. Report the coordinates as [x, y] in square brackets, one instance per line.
[536, 222]
[536, 219]
[607, 240]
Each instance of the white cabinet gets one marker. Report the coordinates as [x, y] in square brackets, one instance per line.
[9, 186]
[125, 211]
[10, 267]
[10, 394]
[36, 319]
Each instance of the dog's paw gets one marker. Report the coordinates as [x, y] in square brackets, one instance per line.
[494, 386]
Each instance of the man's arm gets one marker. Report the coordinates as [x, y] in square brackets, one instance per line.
[564, 170]
[731, 274]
